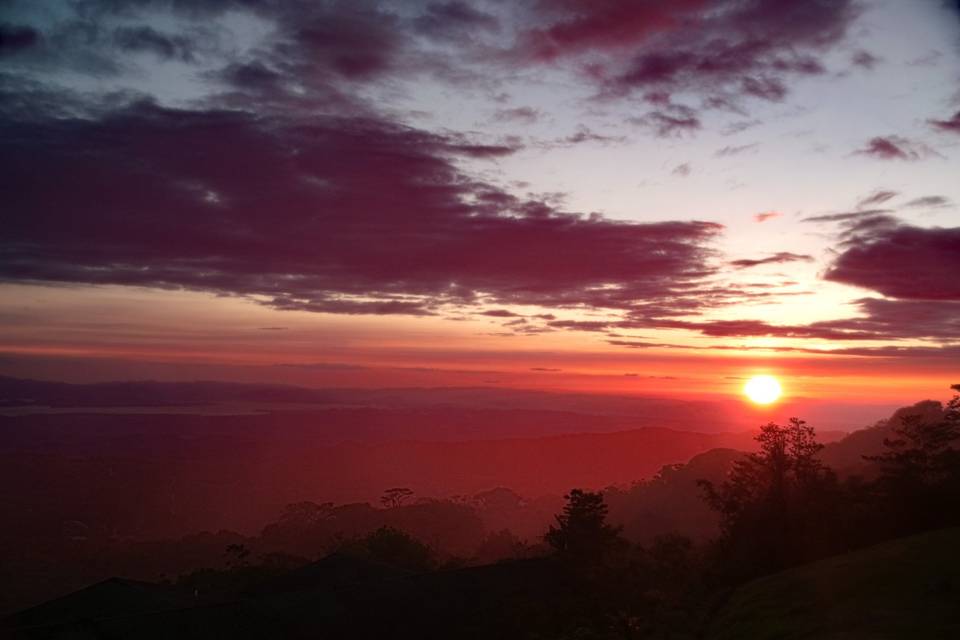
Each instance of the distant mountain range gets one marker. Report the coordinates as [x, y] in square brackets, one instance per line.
[18, 396]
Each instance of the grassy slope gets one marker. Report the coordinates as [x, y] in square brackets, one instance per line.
[907, 588]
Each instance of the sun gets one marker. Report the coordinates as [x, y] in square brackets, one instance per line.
[762, 389]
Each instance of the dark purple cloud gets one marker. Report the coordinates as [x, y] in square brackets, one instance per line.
[777, 258]
[879, 319]
[930, 202]
[584, 134]
[338, 215]
[317, 54]
[642, 344]
[482, 150]
[894, 148]
[674, 121]
[864, 59]
[951, 125]
[739, 127]
[772, 89]
[523, 115]
[877, 197]
[729, 150]
[905, 318]
[722, 48]
[849, 216]
[945, 351]
[901, 261]
[454, 20]
[582, 325]
[760, 328]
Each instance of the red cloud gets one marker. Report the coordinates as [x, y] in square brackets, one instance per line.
[766, 215]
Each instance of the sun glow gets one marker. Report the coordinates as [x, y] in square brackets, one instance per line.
[762, 389]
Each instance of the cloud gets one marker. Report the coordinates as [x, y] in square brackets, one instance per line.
[951, 351]
[895, 148]
[728, 151]
[880, 319]
[14, 38]
[740, 126]
[950, 125]
[582, 325]
[877, 197]
[766, 215]
[772, 89]
[760, 328]
[721, 48]
[523, 115]
[864, 59]
[905, 319]
[930, 202]
[848, 216]
[148, 39]
[483, 150]
[314, 56]
[777, 258]
[640, 344]
[675, 121]
[454, 20]
[330, 214]
[947, 351]
[683, 170]
[901, 261]
[583, 134]
[352, 40]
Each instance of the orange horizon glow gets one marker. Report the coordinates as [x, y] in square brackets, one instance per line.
[182, 336]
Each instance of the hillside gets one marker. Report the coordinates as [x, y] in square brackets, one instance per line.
[907, 588]
[154, 475]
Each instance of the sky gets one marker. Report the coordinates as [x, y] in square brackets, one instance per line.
[661, 198]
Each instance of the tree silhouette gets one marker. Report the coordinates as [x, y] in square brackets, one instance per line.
[582, 533]
[920, 470]
[394, 547]
[393, 498]
[773, 501]
[922, 453]
[305, 514]
[237, 555]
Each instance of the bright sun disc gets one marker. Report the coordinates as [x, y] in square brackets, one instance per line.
[762, 389]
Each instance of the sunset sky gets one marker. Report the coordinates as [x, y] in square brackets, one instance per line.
[658, 198]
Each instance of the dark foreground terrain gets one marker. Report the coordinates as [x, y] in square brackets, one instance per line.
[906, 588]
